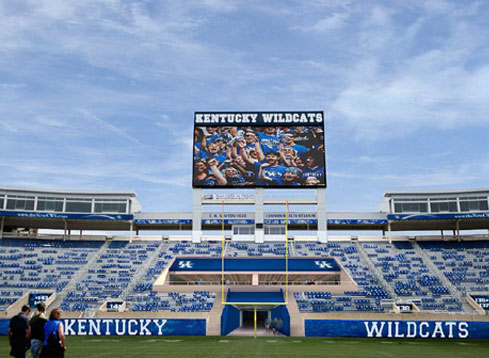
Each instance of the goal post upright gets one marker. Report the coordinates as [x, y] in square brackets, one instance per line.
[223, 249]
[286, 252]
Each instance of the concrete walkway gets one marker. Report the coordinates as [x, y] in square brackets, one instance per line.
[249, 332]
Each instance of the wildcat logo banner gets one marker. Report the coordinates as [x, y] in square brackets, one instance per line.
[397, 329]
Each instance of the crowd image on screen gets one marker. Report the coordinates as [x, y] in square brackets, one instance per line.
[259, 156]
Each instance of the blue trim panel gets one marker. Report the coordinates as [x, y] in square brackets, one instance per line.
[230, 318]
[241, 297]
[255, 265]
[357, 222]
[38, 215]
[424, 216]
[162, 221]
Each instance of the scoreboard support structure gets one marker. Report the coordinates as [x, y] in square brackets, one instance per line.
[286, 151]
[321, 215]
[256, 202]
[197, 215]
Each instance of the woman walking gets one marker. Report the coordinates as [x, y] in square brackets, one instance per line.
[54, 344]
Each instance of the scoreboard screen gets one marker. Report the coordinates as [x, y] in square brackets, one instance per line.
[259, 149]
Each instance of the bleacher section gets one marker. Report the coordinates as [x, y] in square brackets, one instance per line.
[86, 273]
[465, 264]
[111, 275]
[370, 292]
[199, 301]
[244, 249]
[410, 277]
[33, 264]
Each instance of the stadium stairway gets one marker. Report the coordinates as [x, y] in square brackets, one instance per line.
[292, 252]
[375, 270]
[139, 276]
[214, 318]
[78, 277]
[453, 290]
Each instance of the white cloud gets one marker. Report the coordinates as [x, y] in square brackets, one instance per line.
[333, 22]
[9, 127]
[49, 121]
[388, 90]
[108, 126]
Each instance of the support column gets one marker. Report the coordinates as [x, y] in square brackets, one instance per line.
[2, 226]
[389, 233]
[259, 220]
[457, 228]
[322, 217]
[442, 235]
[65, 229]
[197, 216]
[81, 234]
[254, 319]
[131, 229]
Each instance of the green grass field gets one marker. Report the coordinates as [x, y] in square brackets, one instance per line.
[121, 347]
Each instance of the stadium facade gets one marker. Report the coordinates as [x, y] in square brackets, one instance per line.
[27, 210]
[259, 250]
[159, 277]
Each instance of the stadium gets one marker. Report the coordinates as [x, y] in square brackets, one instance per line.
[258, 256]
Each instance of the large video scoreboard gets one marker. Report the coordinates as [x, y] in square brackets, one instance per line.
[259, 149]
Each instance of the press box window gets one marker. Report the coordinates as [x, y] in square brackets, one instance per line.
[49, 204]
[473, 205]
[447, 206]
[79, 205]
[274, 230]
[20, 203]
[410, 207]
[243, 230]
[101, 207]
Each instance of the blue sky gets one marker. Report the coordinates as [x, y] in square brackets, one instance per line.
[101, 94]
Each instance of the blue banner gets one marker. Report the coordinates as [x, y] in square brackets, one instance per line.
[425, 216]
[127, 327]
[162, 221]
[396, 329]
[242, 297]
[227, 221]
[255, 264]
[357, 221]
[291, 222]
[38, 215]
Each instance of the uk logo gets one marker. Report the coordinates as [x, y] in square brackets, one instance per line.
[323, 264]
[185, 264]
